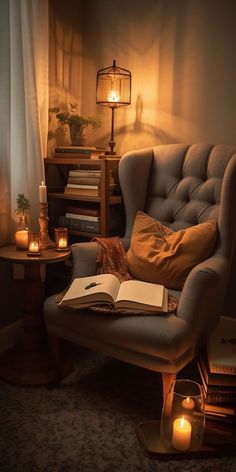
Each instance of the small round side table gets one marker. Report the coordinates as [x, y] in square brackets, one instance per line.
[31, 364]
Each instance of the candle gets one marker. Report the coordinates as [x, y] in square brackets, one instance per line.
[188, 403]
[21, 239]
[34, 246]
[62, 243]
[43, 193]
[182, 431]
[61, 237]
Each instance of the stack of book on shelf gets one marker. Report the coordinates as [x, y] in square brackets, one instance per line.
[80, 218]
[217, 368]
[81, 152]
[88, 219]
[86, 182]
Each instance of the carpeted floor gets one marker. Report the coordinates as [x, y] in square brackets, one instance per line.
[88, 424]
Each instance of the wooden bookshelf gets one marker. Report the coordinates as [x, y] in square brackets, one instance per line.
[56, 175]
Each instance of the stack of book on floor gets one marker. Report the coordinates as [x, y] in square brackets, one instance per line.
[81, 152]
[86, 182]
[217, 368]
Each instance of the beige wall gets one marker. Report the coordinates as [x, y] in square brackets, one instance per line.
[182, 57]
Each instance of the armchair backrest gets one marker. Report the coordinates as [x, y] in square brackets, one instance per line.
[182, 185]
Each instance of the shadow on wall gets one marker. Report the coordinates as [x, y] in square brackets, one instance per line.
[137, 135]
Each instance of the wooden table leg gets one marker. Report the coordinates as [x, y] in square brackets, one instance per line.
[31, 364]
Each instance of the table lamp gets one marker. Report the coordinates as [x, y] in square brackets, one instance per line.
[113, 91]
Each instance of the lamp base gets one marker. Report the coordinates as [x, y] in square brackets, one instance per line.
[110, 153]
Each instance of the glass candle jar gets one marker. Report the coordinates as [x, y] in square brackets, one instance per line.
[21, 234]
[61, 238]
[183, 416]
[34, 244]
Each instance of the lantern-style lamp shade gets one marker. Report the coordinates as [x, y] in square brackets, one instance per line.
[113, 91]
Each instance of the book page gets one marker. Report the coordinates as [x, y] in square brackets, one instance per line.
[144, 293]
[103, 288]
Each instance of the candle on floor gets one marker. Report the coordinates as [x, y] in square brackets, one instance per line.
[43, 193]
[182, 431]
[188, 403]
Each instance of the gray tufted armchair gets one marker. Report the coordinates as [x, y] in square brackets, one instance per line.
[180, 185]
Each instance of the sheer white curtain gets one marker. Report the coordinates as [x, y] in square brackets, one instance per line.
[24, 89]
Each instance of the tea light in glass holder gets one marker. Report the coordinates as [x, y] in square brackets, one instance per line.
[34, 244]
[61, 237]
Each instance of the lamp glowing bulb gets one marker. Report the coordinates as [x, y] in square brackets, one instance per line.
[113, 96]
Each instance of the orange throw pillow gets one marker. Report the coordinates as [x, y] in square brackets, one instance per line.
[159, 255]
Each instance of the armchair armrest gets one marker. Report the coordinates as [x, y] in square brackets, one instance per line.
[202, 297]
[84, 259]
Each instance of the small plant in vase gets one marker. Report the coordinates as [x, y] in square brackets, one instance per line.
[23, 205]
[77, 123]
[21, 234]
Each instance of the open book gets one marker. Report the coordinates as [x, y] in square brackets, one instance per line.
[106, 288]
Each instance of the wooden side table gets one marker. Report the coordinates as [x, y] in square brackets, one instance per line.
[31, 364]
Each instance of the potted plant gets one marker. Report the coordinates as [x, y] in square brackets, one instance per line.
[23, 205]
[21, 234]
[77, 123]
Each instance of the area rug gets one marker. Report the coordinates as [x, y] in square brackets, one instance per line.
[88, 423]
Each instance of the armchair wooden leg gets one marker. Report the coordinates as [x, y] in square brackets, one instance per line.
[167, 380]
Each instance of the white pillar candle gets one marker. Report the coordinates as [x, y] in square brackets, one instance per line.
[182, 431]
[188, 403]
[43, 193]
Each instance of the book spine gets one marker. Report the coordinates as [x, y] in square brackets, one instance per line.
[79, 154]
[72, 155]
[83, 187]
[82, 192]
[84, 180]
[80, 225]
[224, 409]
[85, 173]
[215, 379]
[82, 149]
[82, 217]
[222, 369]
[77, 147]
[220, 418]
[83, 210]
[73, 150]
[223, 398]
